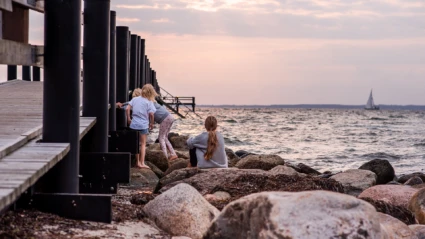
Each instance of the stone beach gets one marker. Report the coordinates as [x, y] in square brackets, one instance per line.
[259, 196]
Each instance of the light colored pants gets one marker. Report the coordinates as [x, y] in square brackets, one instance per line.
[164, 129]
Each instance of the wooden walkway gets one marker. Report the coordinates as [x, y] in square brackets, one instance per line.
[23, 160]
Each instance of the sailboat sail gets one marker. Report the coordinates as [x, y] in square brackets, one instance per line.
[370, 105]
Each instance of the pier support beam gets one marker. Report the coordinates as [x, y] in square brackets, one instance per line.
[142, 63]
[61, 98]
[112, 72]
[26, 73]
[12, 72]
[122, 73]
[133, 62]
[138, 84]
[96, 72]
[36, 73]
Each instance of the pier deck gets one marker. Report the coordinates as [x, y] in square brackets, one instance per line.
[23, 160]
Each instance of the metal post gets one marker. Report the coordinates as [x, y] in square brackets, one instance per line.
[26, 73]
[12, 72]
[153, 79]
[146, 70]
[96, 70]
[122, 73]
[61, 98]
[138, 63]
[133, 62]
[36, 73]
[112, 71]
[142, 63]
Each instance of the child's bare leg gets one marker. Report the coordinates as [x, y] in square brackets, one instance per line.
[141, 161]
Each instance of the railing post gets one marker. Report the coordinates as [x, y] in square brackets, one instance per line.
[12, 72]
[122, 73]
[112, 71]
[26, 73]
[133, 62]
[61, 97]
[146, 70]
[96, 71]
[138, 63]
[36, 73]
[142, 63]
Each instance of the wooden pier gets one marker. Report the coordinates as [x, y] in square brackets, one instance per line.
[64, 148]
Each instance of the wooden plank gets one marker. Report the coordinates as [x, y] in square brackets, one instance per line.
[16, 24]
[36, 5]
[6, 5]
[15, 53]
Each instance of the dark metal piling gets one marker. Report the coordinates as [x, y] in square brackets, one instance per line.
[142, 63]
[112, 72]
[26, 73]
[96, 70]
[122, 72]
[133, 62]
[61, 98]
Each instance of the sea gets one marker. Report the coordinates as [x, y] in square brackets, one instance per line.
[327, 139]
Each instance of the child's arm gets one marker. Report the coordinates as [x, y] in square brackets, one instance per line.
[127, 113]
[151, 120]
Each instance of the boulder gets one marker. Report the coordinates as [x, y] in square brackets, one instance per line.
[155, 146]
[143, 178]
[158, 158]
[405, 178]
[178, 175]
[217, 196]
[183, 155]
[314, 214]
[394, 228]
[397, 195]
[417, 205]
[282, 169]
[181, 211]
[240, 153]
[401, 213]
[414, 181]
[382, 168]
[141, 198]
[242, 182]
[419, 230]
[419, 186]
[177, 164]
[355, 181]
[302, 168]
[232, 158]
[179, 142]
[155, 169]
[265, 162]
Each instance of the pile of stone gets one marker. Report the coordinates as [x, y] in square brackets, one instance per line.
[262, 196]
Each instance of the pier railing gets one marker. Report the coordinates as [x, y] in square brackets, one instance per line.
[92, 154]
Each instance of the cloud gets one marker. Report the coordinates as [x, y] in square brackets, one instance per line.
[161, 20]
[119, 19]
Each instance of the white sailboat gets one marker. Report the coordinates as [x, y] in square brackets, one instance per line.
[370, 105]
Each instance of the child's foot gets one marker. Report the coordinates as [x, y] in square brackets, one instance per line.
[173, 158]
[142, 166]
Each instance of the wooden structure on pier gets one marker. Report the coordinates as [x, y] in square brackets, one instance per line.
[64, 148]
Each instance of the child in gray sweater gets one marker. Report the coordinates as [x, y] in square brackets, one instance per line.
[207, 149]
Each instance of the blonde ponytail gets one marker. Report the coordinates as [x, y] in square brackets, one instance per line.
[211, 126]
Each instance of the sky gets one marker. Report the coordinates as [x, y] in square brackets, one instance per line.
[280, 51]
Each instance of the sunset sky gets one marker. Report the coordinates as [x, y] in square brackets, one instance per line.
[280, 51]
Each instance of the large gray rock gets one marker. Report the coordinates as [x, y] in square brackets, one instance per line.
[401, 213]
[178, 175]
[382, 168]
[177, 164]
[179, 142]
[302, 168]
[158, 158]
[264, 162]
[232, 158]
[419, 230]
[355, 181]
[394, 228]
[242, 182]
[282, 169]
[143, 178]
[397, 195]
[405, 178]
[314, 214]
[181, 211]
[155, 169]
[417, 206]
[414, 181]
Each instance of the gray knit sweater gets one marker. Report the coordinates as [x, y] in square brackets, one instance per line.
[200, 142]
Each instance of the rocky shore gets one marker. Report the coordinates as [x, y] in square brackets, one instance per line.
[259, 196]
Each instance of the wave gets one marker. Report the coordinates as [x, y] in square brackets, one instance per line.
[377, 118]
[287, 128]
[419, 145]
[230, 121]
[381, 155]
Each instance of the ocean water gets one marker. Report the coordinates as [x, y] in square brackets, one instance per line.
[325, 139]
